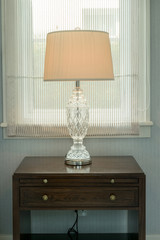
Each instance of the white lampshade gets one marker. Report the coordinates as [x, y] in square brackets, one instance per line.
[78, 55]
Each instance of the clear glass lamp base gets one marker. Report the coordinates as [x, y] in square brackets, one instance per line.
[77, 122]
[78, 155]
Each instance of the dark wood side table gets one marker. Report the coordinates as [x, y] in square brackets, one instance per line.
[108, 183]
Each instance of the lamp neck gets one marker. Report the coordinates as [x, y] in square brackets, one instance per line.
[77, 83]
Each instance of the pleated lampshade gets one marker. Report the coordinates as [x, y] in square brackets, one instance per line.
[78, 55]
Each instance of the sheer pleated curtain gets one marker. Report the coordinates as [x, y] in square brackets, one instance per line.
[35, 108]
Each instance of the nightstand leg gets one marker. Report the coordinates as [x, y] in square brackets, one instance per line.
[142, 210]
[16, 212]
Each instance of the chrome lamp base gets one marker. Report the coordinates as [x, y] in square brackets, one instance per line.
[77, 162]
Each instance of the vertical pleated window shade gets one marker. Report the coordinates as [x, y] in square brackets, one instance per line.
[35, 108]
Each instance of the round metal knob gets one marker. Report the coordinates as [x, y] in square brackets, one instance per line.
[112, 180]
[45, 180]
[112, 197]
[45, 197]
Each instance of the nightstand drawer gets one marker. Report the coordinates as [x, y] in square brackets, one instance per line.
[77, 181]
[35, 197]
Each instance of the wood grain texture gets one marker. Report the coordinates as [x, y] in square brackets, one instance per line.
[100, 165]
[73, 198]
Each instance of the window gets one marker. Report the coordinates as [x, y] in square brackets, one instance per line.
[34, 108]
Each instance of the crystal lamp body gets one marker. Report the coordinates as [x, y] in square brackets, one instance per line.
[78, 122]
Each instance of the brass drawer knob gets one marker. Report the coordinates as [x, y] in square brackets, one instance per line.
[45, 197]
[112, 180]
[45, 180]
[112, 197]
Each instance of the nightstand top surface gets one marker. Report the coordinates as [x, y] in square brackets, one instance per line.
[100, 165]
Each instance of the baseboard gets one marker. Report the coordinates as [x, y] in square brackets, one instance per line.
[6, 237]
[9, 237]
[153, 237]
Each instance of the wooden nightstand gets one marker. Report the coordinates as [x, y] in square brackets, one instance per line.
[108, 183]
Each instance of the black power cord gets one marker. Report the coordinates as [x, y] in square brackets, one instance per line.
[73, 231]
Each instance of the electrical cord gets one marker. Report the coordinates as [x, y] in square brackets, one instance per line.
[74, 228]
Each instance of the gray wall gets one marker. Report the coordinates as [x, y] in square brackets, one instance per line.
[146, 152]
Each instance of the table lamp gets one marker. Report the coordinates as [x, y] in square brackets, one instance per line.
[78, 56]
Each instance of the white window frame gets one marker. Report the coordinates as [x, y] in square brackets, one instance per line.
[145, 127]
[144, 33]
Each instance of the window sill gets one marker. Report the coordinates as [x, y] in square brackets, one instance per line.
[144, 131]
[144, 127]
